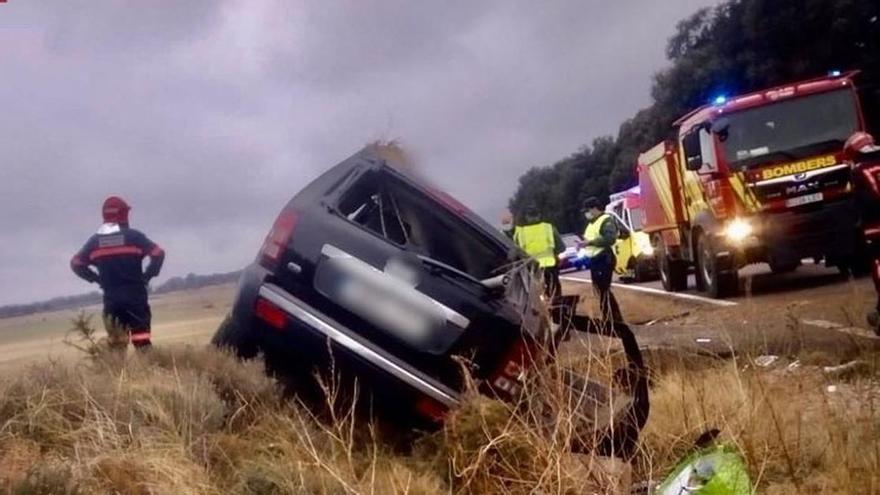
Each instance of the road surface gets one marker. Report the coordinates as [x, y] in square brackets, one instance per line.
[756, 280]
[811, 309]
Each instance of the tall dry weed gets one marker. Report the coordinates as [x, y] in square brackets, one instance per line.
[797, 434]
[197, 420]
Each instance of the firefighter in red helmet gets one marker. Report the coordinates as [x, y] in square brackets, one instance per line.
[113, 258]
[861, 150]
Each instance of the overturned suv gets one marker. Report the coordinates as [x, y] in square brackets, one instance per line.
[370, 273]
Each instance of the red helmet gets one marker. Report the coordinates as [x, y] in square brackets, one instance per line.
[859, 142]
[115, 210]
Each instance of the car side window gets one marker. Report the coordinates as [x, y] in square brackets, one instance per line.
[636, 218]
[618, 221]
[707, 150]
[692, 152]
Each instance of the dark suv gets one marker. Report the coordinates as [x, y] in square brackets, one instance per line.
[393, 276]
[381, 278]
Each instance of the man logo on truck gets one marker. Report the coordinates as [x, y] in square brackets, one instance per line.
[802, 188]
[798, 167]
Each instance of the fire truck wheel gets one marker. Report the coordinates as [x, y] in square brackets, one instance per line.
[673, 273]
[711, 278]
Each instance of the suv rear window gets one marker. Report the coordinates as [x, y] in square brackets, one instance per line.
[413, 220]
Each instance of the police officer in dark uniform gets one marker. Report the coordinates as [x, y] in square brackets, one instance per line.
[117, 252]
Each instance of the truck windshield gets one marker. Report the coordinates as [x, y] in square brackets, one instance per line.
[790, 129]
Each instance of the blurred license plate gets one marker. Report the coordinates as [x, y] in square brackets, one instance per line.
[803, 200]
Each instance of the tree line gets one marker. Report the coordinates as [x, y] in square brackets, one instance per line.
[736, 47]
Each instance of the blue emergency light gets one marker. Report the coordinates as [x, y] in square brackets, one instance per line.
[834, 73]
[720, 100]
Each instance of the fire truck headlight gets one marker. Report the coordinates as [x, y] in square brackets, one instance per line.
[737, 230]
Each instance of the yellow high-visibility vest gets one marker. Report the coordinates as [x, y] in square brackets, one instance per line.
[594, 233]
[537, 241]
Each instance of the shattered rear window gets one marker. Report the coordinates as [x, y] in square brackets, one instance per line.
[417, 222]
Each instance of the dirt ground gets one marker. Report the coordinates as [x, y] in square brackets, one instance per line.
[181, 317]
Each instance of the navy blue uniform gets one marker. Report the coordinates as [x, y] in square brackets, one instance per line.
[118, 252]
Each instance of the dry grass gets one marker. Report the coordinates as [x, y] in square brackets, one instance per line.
[185, 420]
[797, 435]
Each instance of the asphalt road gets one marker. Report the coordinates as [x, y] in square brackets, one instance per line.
[755, 280]
[813, 311]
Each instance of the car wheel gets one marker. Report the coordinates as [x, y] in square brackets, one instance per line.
[233, 336]
[642, 272]
[712, 278]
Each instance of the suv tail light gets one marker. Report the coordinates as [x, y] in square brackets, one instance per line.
[270, 313]
[431, 409]
[508, 377]
[278, 239]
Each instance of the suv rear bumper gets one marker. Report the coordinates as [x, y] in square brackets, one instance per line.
[306, 327]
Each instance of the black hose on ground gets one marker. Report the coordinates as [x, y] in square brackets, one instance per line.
[623, 440]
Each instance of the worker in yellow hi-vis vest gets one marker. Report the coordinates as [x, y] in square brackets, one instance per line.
[541, 241]
[600, 235]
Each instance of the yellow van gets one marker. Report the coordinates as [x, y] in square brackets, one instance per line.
[635, 254]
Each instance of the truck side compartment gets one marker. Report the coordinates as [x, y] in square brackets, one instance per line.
[665, 215]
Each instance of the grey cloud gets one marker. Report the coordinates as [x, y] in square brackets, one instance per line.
[209, 115]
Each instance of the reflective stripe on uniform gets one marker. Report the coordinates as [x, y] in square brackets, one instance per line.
[140, 336]
[537, 241]
[593, 232]
[115, 251]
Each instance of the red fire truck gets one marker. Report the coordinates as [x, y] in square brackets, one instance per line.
[754, 178]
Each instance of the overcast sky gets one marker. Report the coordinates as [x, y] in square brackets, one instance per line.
[208, 115]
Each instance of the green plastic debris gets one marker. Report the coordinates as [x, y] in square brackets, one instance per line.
[715, 470]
